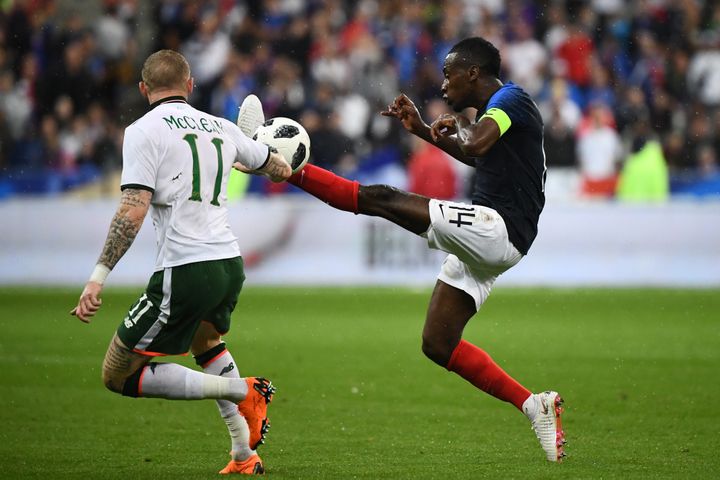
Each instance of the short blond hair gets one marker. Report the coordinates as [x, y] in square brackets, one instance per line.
[165, 69]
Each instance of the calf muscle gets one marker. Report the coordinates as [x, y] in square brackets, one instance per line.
[407, 210]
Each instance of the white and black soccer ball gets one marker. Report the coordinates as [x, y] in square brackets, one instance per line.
[288, 138]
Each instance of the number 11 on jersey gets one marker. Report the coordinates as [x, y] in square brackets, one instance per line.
[191, 139]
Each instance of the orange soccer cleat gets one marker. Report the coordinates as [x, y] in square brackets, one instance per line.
[252, 466]
[254, 408]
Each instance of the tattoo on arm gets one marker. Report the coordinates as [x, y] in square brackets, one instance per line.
[126, 223]
[276, 168]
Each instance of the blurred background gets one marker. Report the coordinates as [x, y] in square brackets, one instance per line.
[629, 92]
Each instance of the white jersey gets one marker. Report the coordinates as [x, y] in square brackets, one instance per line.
[184, 156]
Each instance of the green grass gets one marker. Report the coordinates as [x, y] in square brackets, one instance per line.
[356, 398]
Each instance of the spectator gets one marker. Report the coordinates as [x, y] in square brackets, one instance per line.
[19, 28]
[676, 73]
[15, 105]
[707, 161]
[644, 176]
[661, 111]
[677, 157]
[631, 108]
[329, 65]
[112, 34]
[6, 142]
[600, 90]
[649, 69]
[699, 135]
[560, 104]
[71, 78]
[208, 51]
[559, 140]
[330, 148]
[575, 56]
[642, 59]
[525, 58]
[430, 171]
[557, 29]
[599, 151]
[704, 71]
[52, 155]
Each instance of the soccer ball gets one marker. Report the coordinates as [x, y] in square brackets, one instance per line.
[288, 138]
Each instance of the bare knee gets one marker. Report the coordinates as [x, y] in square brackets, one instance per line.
[439, 350]
[112, 380]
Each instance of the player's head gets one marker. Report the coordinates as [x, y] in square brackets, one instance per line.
[166, 72]
[468, 65]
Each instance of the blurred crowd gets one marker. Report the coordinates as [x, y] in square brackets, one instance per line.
[629, 90]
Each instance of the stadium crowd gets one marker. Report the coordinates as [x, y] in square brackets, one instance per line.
[628, 90]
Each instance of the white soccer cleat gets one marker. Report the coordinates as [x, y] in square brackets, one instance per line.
[543, 410]
[250, 115]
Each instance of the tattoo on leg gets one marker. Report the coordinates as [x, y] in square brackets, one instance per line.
[120, 363]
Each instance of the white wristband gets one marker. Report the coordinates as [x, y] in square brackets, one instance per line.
[99, 274]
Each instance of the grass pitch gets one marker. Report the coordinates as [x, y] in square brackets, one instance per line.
[356, 399]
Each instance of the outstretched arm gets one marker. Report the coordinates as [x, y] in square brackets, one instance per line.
[134, 205]
[405, 110]
[277, 169]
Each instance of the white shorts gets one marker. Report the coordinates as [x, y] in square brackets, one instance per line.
[477, 240]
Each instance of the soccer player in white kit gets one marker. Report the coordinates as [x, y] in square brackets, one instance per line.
[178, 159]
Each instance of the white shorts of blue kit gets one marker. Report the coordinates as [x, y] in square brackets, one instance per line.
[476, 239]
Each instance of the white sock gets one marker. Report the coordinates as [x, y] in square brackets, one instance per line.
[530, 407]
[175, 382]
[224, 366]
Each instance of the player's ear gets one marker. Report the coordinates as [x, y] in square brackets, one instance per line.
[190, 85]
[143, 89]
[473, 72]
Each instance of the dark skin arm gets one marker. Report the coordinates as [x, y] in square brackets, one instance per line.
[405, 110]
[473, 139]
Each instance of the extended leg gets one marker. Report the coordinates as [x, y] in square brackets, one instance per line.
[407, 210]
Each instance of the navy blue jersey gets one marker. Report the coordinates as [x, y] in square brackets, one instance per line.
[510, 177]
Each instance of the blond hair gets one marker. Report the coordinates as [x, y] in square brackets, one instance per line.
[165, 70]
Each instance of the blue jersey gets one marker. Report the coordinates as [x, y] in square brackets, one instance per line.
[510, 177]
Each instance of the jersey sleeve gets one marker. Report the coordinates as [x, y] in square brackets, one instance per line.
[501, 118]
[503, 109]
[139, 160]
[251, 153]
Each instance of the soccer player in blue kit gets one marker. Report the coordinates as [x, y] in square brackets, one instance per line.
[482, 239]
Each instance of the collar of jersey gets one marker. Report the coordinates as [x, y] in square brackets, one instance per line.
[172, 99]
